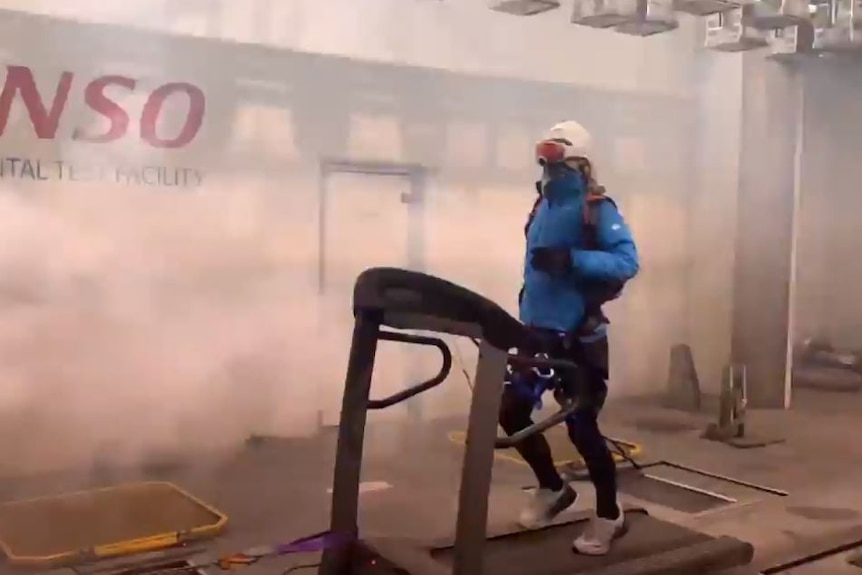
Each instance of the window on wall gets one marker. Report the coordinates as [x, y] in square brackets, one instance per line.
[466, 144]
[421, 144]
[629, 154]
[513, 148]
[375, 137]
[265, 129]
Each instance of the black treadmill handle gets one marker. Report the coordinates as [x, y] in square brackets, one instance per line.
[411, 391]
[538, 427]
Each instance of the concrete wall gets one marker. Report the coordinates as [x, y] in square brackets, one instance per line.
[766, 216]
[791, 272]
[713, 211]
[828, 241]
[132, 271]
[770, 254]
[463, 36]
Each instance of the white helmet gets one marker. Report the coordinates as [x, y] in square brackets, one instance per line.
[577, 141]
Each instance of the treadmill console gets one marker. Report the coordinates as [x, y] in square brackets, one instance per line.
[425, 300]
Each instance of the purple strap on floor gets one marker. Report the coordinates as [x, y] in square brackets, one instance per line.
[317, 542]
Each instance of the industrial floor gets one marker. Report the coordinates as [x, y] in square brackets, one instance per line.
[277, 489]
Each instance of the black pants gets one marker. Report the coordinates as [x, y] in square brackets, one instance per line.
[589, 383]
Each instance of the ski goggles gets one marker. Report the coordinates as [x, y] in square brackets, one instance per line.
[550, 152]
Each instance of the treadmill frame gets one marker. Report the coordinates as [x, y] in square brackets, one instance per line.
[404, 309]
[478, 460]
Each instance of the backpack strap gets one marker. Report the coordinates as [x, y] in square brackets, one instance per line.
[591, 218]
[591, 203]
[534, 208]
[590, 214]
[604, 291]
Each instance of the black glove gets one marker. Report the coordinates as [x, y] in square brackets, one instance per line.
[553, 261]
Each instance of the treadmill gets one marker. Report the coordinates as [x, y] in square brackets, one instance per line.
[406, 300]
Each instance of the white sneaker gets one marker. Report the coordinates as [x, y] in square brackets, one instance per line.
[545, 505]
[598, 535]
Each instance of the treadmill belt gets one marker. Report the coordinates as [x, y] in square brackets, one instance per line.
[549, 550]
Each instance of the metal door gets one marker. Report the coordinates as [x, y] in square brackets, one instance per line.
[370, 215]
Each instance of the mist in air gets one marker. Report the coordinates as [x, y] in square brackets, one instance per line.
[141, 322]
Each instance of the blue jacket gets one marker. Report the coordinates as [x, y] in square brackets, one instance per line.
[558, 303]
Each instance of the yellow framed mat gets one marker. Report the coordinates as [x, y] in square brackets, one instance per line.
[69, 528]
[564, 452]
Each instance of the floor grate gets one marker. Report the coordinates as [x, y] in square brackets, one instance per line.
[667, 493]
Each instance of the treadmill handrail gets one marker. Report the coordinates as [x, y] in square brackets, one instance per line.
[549, 422]
[538, 427]
[424, 386]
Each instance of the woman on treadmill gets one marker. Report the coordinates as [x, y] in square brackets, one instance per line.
[579, 254]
